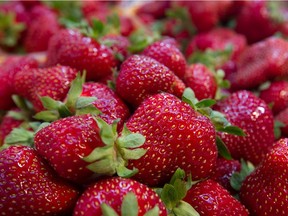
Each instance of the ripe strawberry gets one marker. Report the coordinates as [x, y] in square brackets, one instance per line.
[70, 48]
[167, 54]
[283, 117]
[156, 9]
[262, 61]
[9, 68]
[254, 117]
[209, 199]
[176, 136]
[112, 192]
[223, 171]
[29, 186]
[264, 191]
[277, 94]
[141, 76]
[108, 102]
[43, 25]
[199, 78]
[53, 82]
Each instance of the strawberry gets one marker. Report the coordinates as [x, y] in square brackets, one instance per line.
[223, 171]
[264, 191]
[70, 48]
[254, 117]
[167, 54]
[200, 78]
[176, 136]
[277, 94]
[155, 9]
[8, 70]
[108, 102]
[262, 61]
[54, 82]
[43, 25]
[29, 186]
[141, 76]
[115, 191]
[210, 198]
[282, 117]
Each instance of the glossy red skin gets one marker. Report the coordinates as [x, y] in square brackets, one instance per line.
[141, 76]
[265, 190]
[262, 61]
[108, 102]
[43, 25]
[65, 142]
[276, 93]
[68, 47]
[176, 136]
[218, 39]
[283, 117]
[111, 191]
[223, 171]
[8, 69]
[53, 82]
[201, 80]
[254, 117]
[167, 54]
[210, 199]
[29, 186]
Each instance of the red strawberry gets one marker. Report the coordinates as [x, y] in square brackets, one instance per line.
[199, 78]
[264, 191]
[141, 76]
[29, 186]
[156, 9]
[223, 171]
[43, 25]
[112, 192]
[277, 94]
[9, 68]
[167, 54]
[209, 199]
[53, 82]
[254, 117]
[260, 62]
[108, 102]
[283, 117]
[68, 47]
[176, 136]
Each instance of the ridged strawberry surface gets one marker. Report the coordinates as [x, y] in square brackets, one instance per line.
[29, 186]
[176, 136]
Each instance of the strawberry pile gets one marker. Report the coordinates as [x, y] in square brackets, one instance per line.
[153, 108]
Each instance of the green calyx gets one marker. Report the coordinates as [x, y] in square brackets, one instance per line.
[118, 150]
[129, 207]
[75, 104]
[173, 192]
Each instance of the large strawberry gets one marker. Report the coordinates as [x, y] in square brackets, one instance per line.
[35, 83]
[209, 198]
[29, 186]
[167, 54]
[176, 136]
[141, 76]
[69, 47]
[124, 196]
[254, 117]
[264, 191]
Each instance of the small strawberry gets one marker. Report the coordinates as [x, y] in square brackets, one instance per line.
[53, 82]
[29, 186]
[262, 61]
[254, 117]
[70, 48]
[155, 9]
[176, 136]
[167, 54]
[121, 196]
[264, 191]
[277, 95]
[209, 198]
[201, 79]
[141, 76]
[283, 118]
